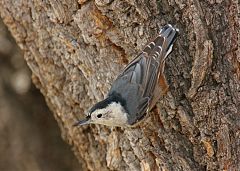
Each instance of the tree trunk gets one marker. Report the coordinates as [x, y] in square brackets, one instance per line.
[76, 49]
[30, 139]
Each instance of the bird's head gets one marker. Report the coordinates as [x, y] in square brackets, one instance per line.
[106, 112]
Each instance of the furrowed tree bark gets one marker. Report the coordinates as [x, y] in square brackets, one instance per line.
[30, 140]
[75, 49]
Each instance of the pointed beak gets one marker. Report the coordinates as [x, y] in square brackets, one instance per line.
[85, 121]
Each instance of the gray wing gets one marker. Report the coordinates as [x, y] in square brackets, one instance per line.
[136, 85]
[137, 81]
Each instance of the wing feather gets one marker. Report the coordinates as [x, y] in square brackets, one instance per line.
[143, 71]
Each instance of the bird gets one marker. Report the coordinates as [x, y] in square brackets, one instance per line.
[138, 87]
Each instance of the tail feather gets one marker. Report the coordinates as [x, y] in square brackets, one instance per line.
[161, 46]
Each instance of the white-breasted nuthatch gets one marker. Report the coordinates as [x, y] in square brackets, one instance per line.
[137, 89]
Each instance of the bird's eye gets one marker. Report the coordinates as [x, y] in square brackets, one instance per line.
[99, 115]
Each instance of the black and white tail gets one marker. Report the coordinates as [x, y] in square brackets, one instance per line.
[161, 46]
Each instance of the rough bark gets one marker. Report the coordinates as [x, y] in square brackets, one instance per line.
[30, 140]
[76, 48]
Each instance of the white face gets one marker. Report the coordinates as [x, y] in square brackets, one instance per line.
[112, 115]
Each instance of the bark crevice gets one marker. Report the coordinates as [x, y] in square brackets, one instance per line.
[76, 50]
